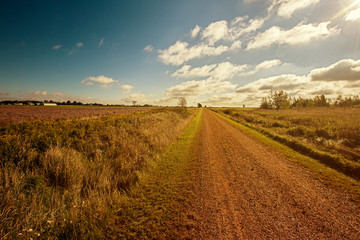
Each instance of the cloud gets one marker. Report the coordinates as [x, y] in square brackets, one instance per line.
[39, 93]
[216, 39]
[346, 69]
[196, 88]
[239, 27]
[195, 31]
[76, 48]
[268, 64]
[148, 48]
[3, 94]
[105, 82]
[304, 86]
[276, 83]
[126, 88]
[286, 8]
[300, 34]
[101, 42]
[221, 71]
[353, 16]
[215, 32]
[180, 52]
[56, 47]
[138, 97]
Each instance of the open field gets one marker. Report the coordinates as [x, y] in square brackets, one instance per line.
[170, 173]
[332, 135]
[31, 113]
[67, 179]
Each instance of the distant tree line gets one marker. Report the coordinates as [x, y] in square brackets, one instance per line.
[281, 100]
[72, 103]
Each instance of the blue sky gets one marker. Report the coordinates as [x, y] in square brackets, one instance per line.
[219, 53]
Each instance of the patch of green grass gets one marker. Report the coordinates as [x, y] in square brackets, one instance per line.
[154, 209]
[325, 173]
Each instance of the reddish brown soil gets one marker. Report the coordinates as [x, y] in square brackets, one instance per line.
[23, 113]
[245, 190]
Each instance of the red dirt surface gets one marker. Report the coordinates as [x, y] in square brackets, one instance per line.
[21, 113]
[245, 190]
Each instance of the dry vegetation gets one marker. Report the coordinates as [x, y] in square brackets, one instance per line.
[32, 113]
[331, 135]
[66, 179]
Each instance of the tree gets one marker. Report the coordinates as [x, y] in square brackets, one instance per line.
[265, 103]
[199, 105]
[280, 99]
[134, 102]
[277, 100]
[182, 102]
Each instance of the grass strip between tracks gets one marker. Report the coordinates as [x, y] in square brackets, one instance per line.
[155, 209]
[325, 173]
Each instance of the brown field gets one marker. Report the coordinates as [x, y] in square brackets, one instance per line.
[331, 135]
[177, 173]
[27, 113]
[66, 179]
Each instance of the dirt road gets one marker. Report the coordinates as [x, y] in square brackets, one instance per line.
[245, 190]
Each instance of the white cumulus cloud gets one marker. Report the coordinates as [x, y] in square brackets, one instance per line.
[221, 71]
[195, 31]
[138, 97]
[215, 32]
[196, 88]
[286, 8]
[105, 82]
[180, 52]
[346, 70]
[300, 34]
[126, 88]
[353, 15]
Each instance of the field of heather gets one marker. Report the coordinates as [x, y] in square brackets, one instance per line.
[31, 113]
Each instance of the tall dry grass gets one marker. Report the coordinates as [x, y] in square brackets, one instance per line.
[66, 179]
[331, 135]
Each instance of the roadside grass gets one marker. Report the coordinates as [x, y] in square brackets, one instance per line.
[331, 136]
[155, 209]
[326, 174]
[66, 178]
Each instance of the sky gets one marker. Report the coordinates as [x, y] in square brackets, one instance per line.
[218, 53]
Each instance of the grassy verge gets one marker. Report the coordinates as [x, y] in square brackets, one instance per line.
[326, 174]
[66, 179]
[154, 210]
[304, 135]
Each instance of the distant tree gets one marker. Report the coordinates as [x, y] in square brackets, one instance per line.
[280, 99]
[265, 103]
[134, 103]
[199, 105]
[68, 102]
[182, 102]
[321, 101]
[277, 100]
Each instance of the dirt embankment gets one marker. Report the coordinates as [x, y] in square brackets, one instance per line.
[244, 190]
